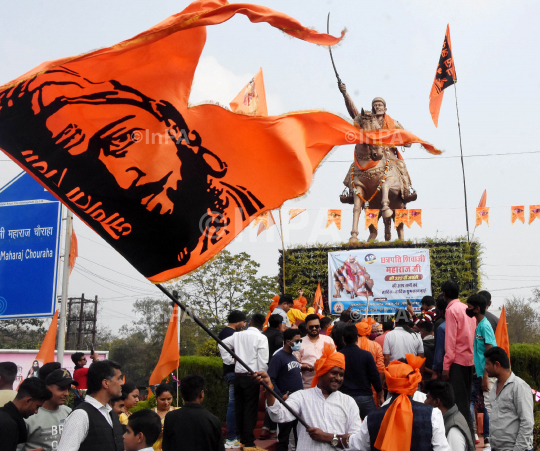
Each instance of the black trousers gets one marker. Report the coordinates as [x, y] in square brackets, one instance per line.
[461, 379]
[284, 433]
[246, 406]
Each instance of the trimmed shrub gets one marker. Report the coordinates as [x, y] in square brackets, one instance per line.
[525, 360]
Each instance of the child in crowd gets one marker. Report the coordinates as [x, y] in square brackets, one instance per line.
[142, 431]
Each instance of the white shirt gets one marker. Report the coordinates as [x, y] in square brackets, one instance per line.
[283, 313]
[399, 342]
[361, 440]
[337, 414]
[456, 440]
[77, 424]
[251, 346]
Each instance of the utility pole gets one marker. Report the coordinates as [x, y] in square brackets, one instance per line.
[65, 283]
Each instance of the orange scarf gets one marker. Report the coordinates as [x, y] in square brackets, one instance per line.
[300, 304]
[364, 329]
[396, 428]
[272, 307]
[328, 360]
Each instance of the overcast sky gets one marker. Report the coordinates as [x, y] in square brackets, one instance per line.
[391, 50]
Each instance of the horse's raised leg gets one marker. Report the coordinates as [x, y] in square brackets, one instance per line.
[387, 228]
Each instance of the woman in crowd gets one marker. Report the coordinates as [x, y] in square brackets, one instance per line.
[164, 398]
[130, 395]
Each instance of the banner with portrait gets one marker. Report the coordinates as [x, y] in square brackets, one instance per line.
[378, 281]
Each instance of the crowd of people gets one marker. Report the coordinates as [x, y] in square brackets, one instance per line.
[411, 382]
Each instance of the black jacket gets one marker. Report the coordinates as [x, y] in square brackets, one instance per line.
[12, 427]
[275, 340]
[360, 372]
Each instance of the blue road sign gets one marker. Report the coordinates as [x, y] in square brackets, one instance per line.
[30, 226]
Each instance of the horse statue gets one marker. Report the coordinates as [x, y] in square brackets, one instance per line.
[380, 185]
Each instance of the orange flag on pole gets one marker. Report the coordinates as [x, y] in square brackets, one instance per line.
[444, 76]
[251, 99]
[170, 354]
[294, 212]
[318, 304]
[482, 214]
[483, 199]
[333, 217]
[534, 212]
[265, 221]
[73, 252]
[518, 212]
[46, 351]
[501, 334]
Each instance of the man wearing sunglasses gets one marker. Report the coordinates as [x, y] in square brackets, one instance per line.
[285, 374]
[312, 347]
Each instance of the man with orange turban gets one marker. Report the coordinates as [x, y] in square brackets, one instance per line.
[364, 330]
[402, 424]
[322, 406]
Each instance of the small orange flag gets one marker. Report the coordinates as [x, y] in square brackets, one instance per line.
[501, 334]
[334, 216]
[318, 304]
[415, 215]
[251, 99]
[272, 307]
[372, 218]
[265, 221]
[170, 354]
[518, 212]
[402, 216]
[534, 212]
[294, 212]
[444, 76]
[482, 214]
[46, 352]
[483, 200]
[73, 251]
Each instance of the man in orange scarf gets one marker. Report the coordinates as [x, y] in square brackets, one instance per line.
[364, 330]
[402, 424]
[322, 406]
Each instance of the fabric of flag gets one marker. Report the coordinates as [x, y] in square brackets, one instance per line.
[46, 351]
[482, 214]
[372, 218]
[534, 212]
[333, 217]
[251, 99]
[73, 251]
[272, 307]
[501, 334]
[294, 212]
[402, 217]
[265, 221]
[170, 353]
[518, 212]
[318, 303]
[167, 185]
[415, 215]
[483, 199]
[444, 76]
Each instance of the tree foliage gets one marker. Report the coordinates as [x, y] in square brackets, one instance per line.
[22, 333]
[523, 319]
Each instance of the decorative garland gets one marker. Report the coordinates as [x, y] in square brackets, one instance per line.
[383, 180]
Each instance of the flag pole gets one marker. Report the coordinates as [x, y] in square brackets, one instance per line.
[230, 351]
[65, 283]
[462, 165]
[283, 248]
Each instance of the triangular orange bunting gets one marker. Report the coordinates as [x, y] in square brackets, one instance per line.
[518, 212]
[265, 221]
[402, 217]
[483, 199]
[534, 212]
[415, 215]
[252, 98]
[46, 352]
[482, 214]
[294, 212]
[372, 218]
[334, 216]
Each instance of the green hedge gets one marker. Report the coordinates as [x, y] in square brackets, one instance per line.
[526, 363]
[306, 266]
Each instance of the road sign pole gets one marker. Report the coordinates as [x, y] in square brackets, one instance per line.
[65, 283]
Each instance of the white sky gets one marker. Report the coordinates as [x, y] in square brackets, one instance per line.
[391, 50]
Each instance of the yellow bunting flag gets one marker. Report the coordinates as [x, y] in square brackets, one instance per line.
[415, 215]
[482, 214]
[534, 212]
[334, 216]
[265, 221]
[252, 98]
[402, 217]
[372, 218]
[518, 212]
[294, 212]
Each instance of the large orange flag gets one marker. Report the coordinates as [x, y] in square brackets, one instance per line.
[166, 185]
[501, 334]
[46, 352]
[170, 354]
[444, 76]
[251, 99]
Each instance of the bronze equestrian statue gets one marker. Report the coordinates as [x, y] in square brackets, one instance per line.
[378, 178]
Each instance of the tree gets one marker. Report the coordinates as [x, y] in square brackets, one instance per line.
[22, 333]
[523, 319]
[227, 283]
